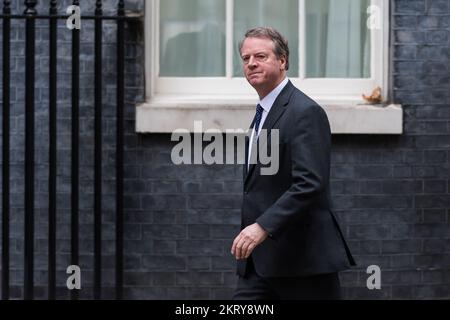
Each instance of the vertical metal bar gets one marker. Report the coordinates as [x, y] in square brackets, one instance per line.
[119, 146]
[5, 151]
[98, 154]
[52, 154]
[30, 30]
[75, 146]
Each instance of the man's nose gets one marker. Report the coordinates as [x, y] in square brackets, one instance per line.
[251, 62]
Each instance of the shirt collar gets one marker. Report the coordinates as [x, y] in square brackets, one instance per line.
[267, 101]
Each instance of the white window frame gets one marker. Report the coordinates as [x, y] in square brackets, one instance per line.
[173, 99]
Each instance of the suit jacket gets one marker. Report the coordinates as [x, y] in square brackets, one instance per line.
[294, 205]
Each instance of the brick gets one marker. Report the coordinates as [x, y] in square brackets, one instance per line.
[165, 187]
[366, 294]
[343, 202]
[153, 262]
[374, 232]
[199, 263]
[435, 156]
[435, 186]
[424, 171]
[133, 216]
[432, 291]
[198, 232]
[434, 215]
[164, 217]
[433, 67]
[371, 187]
[134, 186]
[140, 293]
[213, 201]
[162, 231]
[405, 22]
[216, 216]
[432, 201]
[164, 247]
[402, 231]
[409, 7]
[200, 247]
[224, 231]
[376, 201]
[401, 260]
[160, 202]
[192, 293]
[402, 292]
[432, 22]
[342, 172]
[400, 186]
[370, 247]
[436, 245]
[441, 276]
[224, 263]
[437, 7]
[233, 186]
[429, 260]
[211, 187]
[137, 279]
[373, 172]
[404, 82]
[410, 37]
[401, 246]
[230, 279]
[409, 277]
[198, 278]
[437, 36]
[405, 52]
[337, 187]
[138, 246]
[222, 293]
[432, 230]
[402, 172]
[163, 278]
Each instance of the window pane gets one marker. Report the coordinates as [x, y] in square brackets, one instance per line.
[280, 14]
[337, 39]
[192, 38]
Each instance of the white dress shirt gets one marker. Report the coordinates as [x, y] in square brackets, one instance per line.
[266, 103]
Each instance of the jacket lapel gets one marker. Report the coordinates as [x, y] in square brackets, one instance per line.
[246, 155]
[278, 108]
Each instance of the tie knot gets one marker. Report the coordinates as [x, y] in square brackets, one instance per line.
[258, 116]
[259, 109]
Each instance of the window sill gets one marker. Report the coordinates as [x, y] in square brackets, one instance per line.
[166, 115]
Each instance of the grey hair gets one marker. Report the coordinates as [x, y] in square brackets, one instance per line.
[281, 48]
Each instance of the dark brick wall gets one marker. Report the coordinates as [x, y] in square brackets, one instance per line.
[391, 192]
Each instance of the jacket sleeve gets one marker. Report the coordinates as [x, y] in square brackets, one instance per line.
[310, 144]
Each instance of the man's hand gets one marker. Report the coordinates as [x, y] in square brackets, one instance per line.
[247, 240]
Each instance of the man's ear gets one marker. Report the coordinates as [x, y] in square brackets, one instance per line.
[283, 62]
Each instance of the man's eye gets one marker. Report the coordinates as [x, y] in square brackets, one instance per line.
[245, 59]
[260, 57]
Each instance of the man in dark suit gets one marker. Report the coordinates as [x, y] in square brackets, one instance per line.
[290, 245]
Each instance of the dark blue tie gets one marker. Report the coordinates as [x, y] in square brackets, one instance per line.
[258, 116]
[254, 151]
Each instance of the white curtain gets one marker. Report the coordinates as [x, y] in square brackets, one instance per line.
[192, 38]
[337, 39]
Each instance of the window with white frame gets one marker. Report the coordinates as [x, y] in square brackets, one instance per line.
[338, 48]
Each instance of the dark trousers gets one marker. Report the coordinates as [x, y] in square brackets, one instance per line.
[317, 287]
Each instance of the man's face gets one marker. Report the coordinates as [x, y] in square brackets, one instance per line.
[263, 70]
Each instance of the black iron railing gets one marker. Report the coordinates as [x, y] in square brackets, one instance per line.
[30, 15]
